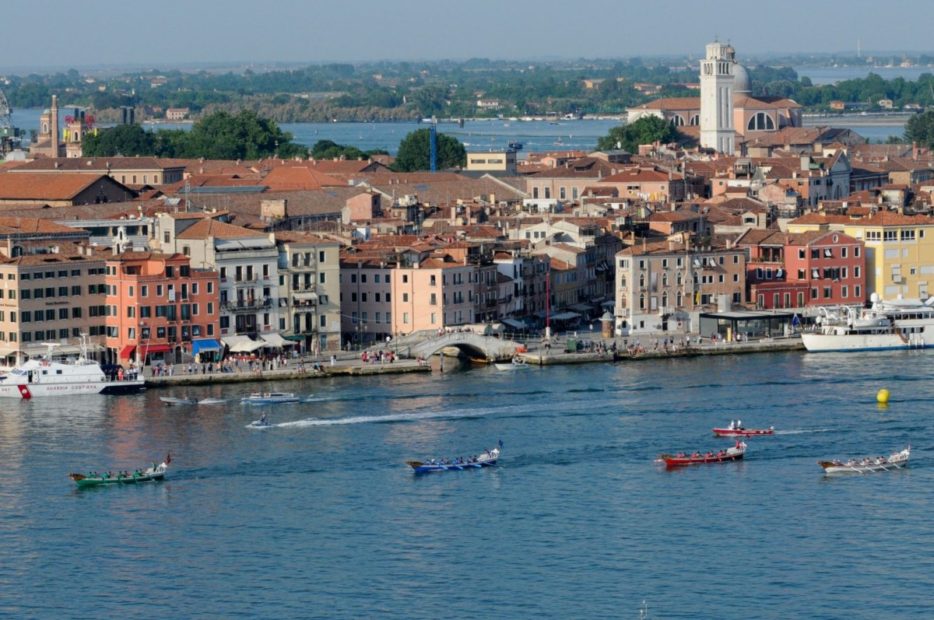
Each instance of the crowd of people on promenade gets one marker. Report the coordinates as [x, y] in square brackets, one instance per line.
[231, 363]
[379, 357]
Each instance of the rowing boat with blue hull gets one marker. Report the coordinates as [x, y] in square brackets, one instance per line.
[487, 458]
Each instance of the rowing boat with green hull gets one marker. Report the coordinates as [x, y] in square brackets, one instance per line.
[156, 472]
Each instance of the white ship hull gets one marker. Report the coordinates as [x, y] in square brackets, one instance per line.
[27, 391]
[864, 342]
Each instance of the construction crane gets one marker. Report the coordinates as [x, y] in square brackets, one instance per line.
[433, 145]
[9, 135]
[6, 113]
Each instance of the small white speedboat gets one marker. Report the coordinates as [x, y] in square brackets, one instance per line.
[517, 363]
[270, 398]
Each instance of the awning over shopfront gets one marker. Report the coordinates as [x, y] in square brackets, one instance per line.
[127, 352]
[565, 316]
[514, 323]
[275, 341]
[204, 344]
[242, 344]
[147, 349]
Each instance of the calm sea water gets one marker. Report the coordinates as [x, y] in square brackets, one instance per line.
[318, 517]
[477, 135]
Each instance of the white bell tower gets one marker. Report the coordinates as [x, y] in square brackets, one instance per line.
[716, 108]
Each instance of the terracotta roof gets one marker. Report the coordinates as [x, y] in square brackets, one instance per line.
[32, 225]
[764, 103]
[213, 228]
[286, 178]
[761, 236]
[671, 103]
[41, 186]
[642, 175]
[673, 216]
[97, 164]
[879, 218]
[68, 253]
[294, 236]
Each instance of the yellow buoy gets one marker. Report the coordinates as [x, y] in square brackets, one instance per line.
[882, 396]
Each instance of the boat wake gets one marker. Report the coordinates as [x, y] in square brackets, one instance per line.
[380, 419]
[803, 431]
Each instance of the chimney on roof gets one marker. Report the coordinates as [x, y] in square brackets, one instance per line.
[914, 150]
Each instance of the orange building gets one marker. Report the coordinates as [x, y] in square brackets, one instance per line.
[160, 309]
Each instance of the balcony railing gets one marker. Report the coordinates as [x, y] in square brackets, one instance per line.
[247, 305]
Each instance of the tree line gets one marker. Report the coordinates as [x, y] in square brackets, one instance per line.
[248, 136]
[408, 90]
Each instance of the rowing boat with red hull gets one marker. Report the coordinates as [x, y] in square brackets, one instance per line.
[720, 456]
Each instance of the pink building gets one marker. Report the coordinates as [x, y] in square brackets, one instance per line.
[433, 294]
[159, 309]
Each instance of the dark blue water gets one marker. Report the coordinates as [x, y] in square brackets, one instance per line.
[318, 517]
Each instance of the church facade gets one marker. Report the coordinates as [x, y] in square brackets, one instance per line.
[726, 115]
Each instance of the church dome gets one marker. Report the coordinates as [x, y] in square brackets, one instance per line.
[740, 79]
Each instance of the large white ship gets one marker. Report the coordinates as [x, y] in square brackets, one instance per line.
[899, 324]
[49, 377]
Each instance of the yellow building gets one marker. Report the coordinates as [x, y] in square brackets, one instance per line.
[503, 162]
[899, 249]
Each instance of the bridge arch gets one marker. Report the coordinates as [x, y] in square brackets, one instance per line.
[472, 344]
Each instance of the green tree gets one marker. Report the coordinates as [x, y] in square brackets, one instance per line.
[125, 140]
[415, 152]
[328, 149]
[920, 129]
[244, 136]
[646, 130]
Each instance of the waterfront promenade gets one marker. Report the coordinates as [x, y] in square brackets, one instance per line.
[351, 364]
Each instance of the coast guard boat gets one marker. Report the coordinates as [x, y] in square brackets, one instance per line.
[49, 377]
[898, 324]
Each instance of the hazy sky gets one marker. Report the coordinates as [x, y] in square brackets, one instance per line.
[55, 33]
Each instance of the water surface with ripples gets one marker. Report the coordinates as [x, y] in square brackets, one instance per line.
[317, 516]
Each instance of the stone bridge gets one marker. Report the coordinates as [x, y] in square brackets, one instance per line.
[472, 344]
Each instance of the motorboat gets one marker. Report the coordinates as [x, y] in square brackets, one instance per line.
[735, 429]
[517, 363]
[487, 458]
[733, 453]
[148, 474]
[867, 465]
[270, 398]
[898, 324]
[169, 401]
[46, 376]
